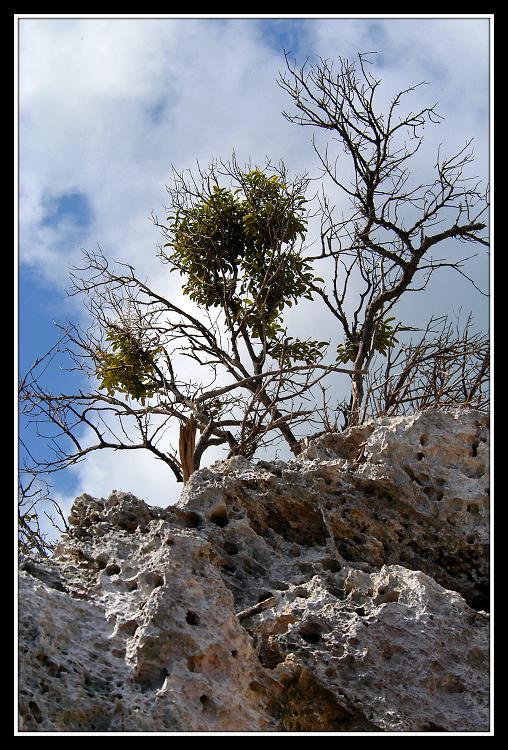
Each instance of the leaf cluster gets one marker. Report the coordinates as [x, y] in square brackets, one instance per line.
[236, 248]
[287, 350]
[383, 340]
[127, 367]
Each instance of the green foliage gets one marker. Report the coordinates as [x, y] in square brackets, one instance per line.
[127, 368]
[346, 352]
[272, 215]
[236, 249]
[288, 350]
[208, 242]
[384, 339]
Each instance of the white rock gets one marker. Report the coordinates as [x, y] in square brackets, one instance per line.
[361, 549]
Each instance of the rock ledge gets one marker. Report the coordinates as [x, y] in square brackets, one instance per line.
[343, 591]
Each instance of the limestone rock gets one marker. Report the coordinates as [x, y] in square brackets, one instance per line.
[412, 491]
[342, 591]
[391, 642]
[144, 638]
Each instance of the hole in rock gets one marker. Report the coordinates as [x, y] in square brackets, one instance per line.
[205, 700]
[433, 494]
[411, 475]
[305, 568]
[454, 685]
[112, 569]
[128, 627]
[269, 655]
[34, 708]
[154, 579]
[423, 440]
[230, 548]
[279, 585]
[346, 553]
[387, 596]
[481, 600]
[420, 456]
[229, 567]
[192, 618]
[219, 516]
[311, 632]
[301, 593]
[264, 596]
[192, 664]
[329, 563]
[192, 520]
[256, 687]
[163, 674]
[131, 585]
[234, 653]
[474, 449]
[150, 677]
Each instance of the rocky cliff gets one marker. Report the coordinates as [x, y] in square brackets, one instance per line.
[343, 591]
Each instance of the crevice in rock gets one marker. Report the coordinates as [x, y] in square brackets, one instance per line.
[219, 516]
[192, 618]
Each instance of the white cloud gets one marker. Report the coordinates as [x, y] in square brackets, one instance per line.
[139, 473]
[87, 91]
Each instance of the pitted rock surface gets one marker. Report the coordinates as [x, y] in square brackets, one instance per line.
[343, 591]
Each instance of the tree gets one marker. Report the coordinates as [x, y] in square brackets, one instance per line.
[389, 239]
[236, 236]
[238, 250]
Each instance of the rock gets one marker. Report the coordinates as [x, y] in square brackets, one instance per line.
[343, 591]
[150, 644]
[391, 642]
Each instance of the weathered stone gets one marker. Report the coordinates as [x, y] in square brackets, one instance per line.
[391, 642]
[325, 594]
[407, 490]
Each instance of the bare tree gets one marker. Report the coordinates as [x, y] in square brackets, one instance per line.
[388, 242]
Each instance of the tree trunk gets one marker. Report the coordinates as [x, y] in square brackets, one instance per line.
[186, 446]
[357, 394]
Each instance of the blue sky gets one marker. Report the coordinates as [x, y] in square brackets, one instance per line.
[107, 105]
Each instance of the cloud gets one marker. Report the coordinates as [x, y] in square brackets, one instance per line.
[106, 106]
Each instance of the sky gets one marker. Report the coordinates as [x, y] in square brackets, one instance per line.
[107, 105]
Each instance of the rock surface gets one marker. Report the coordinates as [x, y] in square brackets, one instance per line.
[343, 591]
